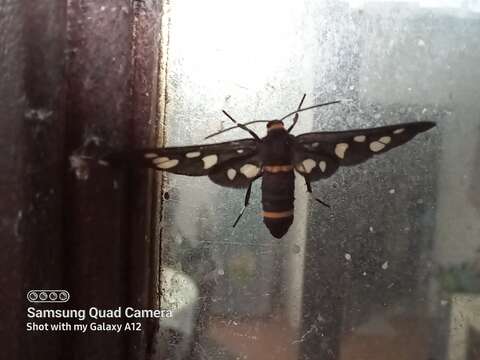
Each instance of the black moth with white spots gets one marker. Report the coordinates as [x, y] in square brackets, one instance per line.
[275, 158]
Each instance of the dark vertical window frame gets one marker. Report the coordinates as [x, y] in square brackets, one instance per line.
[112, 93]
[71, 70]
[96, 217]
[32, 125]
[150, 37]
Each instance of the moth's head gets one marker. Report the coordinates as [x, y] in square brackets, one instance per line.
[275, 124]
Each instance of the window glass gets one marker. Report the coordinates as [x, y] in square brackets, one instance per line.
[391, 270]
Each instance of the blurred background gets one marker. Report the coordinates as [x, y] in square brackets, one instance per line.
[388, 270]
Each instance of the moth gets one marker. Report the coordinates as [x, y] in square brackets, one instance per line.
[276, 158]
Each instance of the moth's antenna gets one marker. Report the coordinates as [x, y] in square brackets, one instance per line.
[235, 127]
[241, 126]
[308, 108]
[295, 118]
[244, 127]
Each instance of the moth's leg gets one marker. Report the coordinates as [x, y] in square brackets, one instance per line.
[309, 190]
[247, 199]
[295, 118]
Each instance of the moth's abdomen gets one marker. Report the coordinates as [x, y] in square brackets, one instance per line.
[277, 200]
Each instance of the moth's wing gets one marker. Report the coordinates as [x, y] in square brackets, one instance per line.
[239, 172]
[314, 165]
[214, 160]
[319, 154]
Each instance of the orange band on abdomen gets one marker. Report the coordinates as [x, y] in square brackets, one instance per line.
[277, 214]
[278, 125]
[278, 168]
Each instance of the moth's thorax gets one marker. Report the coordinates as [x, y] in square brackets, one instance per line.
[276, 147]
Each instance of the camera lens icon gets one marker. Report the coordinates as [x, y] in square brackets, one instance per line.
[48, 296]
[32, 296]
[64, 296]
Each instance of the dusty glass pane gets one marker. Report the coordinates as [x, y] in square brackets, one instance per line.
[392, 269]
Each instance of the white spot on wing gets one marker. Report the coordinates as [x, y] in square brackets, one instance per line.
[209, 161]
[231, 173]
[168, 164]
[150, 155]
[250, 170]
[376, 146]
[315, 144]
[398, 131]
[322, 165]
[340, 150]
[300, 168]
[161, 160]
[385, 139]
[359, 138]
[308, 165]
[192, 154]
[240, 151]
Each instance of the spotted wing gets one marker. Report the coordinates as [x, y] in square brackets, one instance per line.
[229, 164]
[319, 154]
[238, 173]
